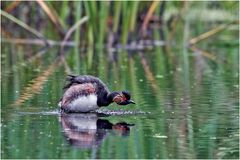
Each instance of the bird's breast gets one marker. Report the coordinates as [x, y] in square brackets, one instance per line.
[83, 104]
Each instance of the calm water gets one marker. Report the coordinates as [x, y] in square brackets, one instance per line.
[191, 111]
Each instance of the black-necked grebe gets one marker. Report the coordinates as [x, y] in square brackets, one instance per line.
[87, 93]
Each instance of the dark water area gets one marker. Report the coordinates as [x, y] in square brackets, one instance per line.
[188, 112]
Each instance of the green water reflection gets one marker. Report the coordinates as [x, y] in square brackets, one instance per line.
[193, 112]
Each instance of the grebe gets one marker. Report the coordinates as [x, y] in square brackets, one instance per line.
[87, 93]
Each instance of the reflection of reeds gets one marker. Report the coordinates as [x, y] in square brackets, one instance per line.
[149, 74]
[35, 85]
[204, 53]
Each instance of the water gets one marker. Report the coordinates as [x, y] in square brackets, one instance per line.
[184, 113]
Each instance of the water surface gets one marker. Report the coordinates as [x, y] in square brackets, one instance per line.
[184, 112]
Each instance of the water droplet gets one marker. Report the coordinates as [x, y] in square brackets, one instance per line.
[236, 86]
[159, 76]
[179, 69]
[66, 129]
[159, 136]
[140, 80]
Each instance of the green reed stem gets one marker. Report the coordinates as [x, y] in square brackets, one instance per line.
[133, 19]
[125, 21]
[117, 8]
[103, 16]
[77, 37]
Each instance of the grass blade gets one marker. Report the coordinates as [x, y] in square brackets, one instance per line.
[148, 16]
[12, 6]
[53, 16]
[24, 25]
[211, 33]
[71, 30]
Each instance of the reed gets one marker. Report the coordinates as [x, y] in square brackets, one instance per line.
[124, 19]
[77, 35]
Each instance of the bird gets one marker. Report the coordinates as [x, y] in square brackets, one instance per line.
[86, 93]
[88, 130]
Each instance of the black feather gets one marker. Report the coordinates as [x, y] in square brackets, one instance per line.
[126, 94]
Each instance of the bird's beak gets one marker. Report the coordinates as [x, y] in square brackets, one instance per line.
[131, 101]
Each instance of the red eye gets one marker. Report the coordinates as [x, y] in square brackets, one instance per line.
[124, 98]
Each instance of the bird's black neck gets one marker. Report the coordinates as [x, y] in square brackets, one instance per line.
[106, 98]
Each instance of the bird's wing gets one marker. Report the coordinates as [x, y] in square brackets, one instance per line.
[77, 90]
[72, 80]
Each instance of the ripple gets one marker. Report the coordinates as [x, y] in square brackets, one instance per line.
[120, 112]
[54, 112]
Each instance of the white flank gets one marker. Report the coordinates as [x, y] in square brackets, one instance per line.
[83, 124]
[84, 104]
[60, 104]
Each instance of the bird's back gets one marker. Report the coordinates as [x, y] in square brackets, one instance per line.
[82, 93]
[99, 85]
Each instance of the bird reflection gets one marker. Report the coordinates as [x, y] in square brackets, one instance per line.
[88, 130]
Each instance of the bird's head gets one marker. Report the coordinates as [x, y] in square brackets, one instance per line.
[122, 98]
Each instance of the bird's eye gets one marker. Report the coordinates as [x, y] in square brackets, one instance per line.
[126, 94]
[123, 97]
